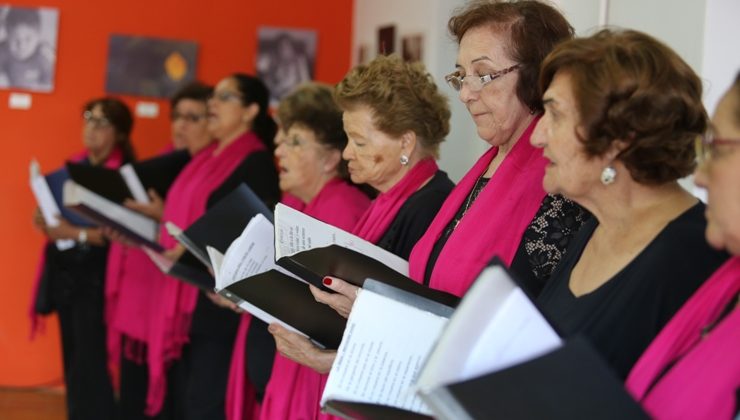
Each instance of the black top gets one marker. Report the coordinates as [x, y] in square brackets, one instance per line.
[415, 216]
[623, 315]
[546, 240]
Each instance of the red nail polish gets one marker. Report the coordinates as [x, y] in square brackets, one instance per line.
[327, 281]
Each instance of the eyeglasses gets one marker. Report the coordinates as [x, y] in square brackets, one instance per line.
[191, 118]
[95, 122]
[226, 96]
[707, 146]
[476, 83]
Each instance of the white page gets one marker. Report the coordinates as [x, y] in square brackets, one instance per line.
[383, 348]
[47, 205]
[296, 232]
[134, 183]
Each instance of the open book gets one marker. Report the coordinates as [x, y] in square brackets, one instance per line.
[396, 351]
[186, 268]
[312, 250]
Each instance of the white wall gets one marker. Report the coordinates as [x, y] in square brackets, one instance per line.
[720, 55]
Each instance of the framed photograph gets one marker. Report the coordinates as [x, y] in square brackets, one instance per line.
[412, 47]
[387, 40]
[28, 47]
[285, 59]
[152, 67]
[363, 55]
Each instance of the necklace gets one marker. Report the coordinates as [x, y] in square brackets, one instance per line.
[479, 184]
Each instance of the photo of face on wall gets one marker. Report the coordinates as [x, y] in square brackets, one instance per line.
[412, 48]
[28, 44]
[285, 59]
[386, 40]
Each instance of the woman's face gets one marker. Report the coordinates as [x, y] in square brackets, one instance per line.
[570, 171]
[227, 117]
[496, 110]
[720, 175]
[304, 164]
[372, 156]
[98, 134]
[190, 125]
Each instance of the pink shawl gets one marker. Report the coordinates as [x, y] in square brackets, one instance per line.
[176, 300]
[494, 223]
[706, 374]
[114, 161]
[293, 390]
[376, 220]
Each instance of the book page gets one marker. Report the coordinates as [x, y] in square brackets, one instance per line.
[47, 205]
[382, 351]
[134, 183]
[296, 232]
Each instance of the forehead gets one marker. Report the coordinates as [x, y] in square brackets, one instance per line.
[483, 41]
[560, 91]
[724, 121]
[187, 104]
[359, 117]
[227, 84]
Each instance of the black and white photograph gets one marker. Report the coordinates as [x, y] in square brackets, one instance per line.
[152, 67]
[412, 47]
[285, 59]
[28, 45]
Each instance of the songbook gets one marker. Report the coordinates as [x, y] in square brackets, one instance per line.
[48, 193]
[221, 224]
[248, 276]
[312, 250]
[136, 227]
[186, 268]
[395, 352]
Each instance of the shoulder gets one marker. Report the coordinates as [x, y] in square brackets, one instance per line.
[430, 197]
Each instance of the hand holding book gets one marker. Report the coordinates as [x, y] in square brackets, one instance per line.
[343, 298]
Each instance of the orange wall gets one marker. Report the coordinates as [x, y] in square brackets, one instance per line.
[50, 131]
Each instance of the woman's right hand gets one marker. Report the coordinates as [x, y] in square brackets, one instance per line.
[341, 301]
[113, 236]
[153, 209]
[38, 221]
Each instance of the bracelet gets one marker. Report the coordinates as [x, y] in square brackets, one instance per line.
[82, 236]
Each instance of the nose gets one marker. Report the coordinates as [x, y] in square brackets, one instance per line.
[466, 94]
[348, 153]
[539, 138]
[700, 175]
[279, 150]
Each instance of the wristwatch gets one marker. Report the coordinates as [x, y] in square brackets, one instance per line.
[82, 236]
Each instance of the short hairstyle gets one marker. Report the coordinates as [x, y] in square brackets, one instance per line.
[119, 115]
[630, 87]
[254, 91]
[402, 97]
[533, 29]
[195, 91]
[22, 16]
[312, 106]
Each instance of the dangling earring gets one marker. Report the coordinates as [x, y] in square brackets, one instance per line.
[404, 160]
[608, 175]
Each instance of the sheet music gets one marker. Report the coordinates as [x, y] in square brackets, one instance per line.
[134, 183]
[47, 205]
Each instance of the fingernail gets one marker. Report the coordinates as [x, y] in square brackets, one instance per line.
[327, 281]
[271, 329]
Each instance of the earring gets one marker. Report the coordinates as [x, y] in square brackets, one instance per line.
[404, 160]
[608, 175]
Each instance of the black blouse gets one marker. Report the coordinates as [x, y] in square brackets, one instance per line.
[624, 314]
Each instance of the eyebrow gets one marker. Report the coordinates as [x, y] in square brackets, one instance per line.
[549, 101]
[475, 60]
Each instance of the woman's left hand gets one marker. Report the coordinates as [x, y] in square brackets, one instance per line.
[63, 230]
[300, 350]
[342, 300]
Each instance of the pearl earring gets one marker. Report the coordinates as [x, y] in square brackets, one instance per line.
[404, 160]
[608, 175]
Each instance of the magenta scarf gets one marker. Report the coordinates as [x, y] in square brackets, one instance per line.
[494, 223]
[376, 220]
[294, 391]
[706, 374]
[176, 300]
[114, 161]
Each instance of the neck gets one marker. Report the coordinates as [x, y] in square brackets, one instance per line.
[308, 194]
[505, 148]
[97, 157]
[226, 140]
[389, 183]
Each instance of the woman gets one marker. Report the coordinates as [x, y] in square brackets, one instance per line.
[392, 142]
[130, 271]
[692, 369]
[622, 111]
[73, 280]
[238, 119]
[311, 169]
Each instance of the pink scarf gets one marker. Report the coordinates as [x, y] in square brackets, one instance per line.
[114, 161]
[706, 374]
[494, 223]
[176, 300]
[376, 220]
[293, 390]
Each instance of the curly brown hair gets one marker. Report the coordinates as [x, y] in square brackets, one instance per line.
[402, 96]
[533, 28]
[630, 87]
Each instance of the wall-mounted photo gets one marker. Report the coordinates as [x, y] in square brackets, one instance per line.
[28, 47]
[387, 40]
[363, 54]
[412, 47]
[285, 59]
[152, 67]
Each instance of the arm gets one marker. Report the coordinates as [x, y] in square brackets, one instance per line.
[154, 209]
[300, 350]
[342, 300]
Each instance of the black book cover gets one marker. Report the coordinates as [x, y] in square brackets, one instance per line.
[314, 264]
[367, 411]
[56, 181]
[190, 270]
[160, 172]
[290, 301]
[103, 181]
[572, 382]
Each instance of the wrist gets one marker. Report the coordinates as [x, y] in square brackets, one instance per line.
[82, 236]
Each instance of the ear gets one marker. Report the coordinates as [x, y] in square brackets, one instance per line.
[408, 143]
[615, 149]
[250, 113]
[331, 160]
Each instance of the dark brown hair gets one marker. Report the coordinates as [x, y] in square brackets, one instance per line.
[533, 29]
[632, 88]
[122, 121]
[312, 106]
[254, 91]
[402, 96]
[195, 91]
